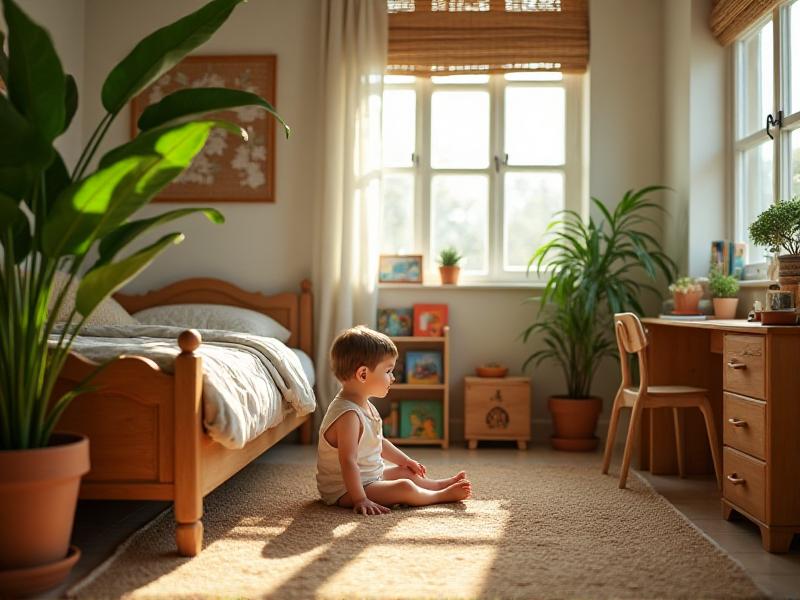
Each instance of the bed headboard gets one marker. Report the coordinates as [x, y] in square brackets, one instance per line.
[292, 310]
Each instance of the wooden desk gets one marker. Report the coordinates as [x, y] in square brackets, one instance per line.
[752, 373]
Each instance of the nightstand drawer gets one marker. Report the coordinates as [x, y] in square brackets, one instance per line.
[744, 358]
[744, 424]
[496, 409]
[743, 481]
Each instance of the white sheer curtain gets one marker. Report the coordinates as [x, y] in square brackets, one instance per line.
[354, 47]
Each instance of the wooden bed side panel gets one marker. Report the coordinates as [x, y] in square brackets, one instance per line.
[128, 417]
[220, 463]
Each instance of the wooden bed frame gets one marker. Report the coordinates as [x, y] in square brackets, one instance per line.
[145, 426]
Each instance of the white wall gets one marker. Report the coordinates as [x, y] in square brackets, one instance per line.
[64, 19]
[265, 247]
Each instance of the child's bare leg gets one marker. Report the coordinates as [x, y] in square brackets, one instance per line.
[393, 473]
[405, 491]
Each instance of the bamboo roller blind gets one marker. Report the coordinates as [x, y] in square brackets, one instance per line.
[730, 18]
[429, 37]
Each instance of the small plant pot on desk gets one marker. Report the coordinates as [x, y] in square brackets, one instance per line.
[574, 423]
[38, 494]
[497, 408]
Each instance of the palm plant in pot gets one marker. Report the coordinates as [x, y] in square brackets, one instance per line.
[723, 289]
[778, 229]
[448, 265]
[56, 224]
[594, 270]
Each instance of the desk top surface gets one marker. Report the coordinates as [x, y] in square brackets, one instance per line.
[740, 325]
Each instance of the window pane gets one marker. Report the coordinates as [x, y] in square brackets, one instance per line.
[757, 89]
[445, 79]
[757, 191]
[534, 76]
[795, 163]
[794, 24]
[460, 129]
[397, 214]
[531, 200]
[399, 127]
[535, 125]
[460, 217]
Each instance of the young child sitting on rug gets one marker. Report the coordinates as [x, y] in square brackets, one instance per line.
[352, 449]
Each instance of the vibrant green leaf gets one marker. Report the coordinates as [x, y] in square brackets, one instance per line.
[193, 102]
[100, 283]
[112, 243]
[56, 180]
[21, 144]
[36, 82]
[160, 51]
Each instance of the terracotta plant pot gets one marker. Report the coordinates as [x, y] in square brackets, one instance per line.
[687, 304]
[789, 274]
[574, 422]
[449, 274]
[725, 308]
[38, 494]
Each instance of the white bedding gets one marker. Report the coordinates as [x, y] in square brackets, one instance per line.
[250, 383]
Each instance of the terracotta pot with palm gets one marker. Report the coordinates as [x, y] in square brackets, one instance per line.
[595, 270]
[448, 265]
[53, 222]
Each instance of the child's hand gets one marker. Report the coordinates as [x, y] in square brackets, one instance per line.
[368, 507]
[416, 468]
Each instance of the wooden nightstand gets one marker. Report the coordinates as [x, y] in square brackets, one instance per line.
[497, 409]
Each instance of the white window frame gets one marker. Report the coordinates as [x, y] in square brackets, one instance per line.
[572, 168]
[782, 152]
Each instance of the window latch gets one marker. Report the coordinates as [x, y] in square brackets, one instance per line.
[772, 122]
[415, 159]
[498, 161]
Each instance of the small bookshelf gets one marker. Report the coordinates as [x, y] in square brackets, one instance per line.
[439, 392]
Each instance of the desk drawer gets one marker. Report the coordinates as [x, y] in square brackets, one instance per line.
[744, 424]
[744, 364]
[743, 482]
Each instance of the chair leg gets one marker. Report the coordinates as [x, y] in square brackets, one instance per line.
[612, 431]
[708, 415]
[678, 440]
[636, 413]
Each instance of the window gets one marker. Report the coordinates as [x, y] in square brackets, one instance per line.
[766, 83]
[481, 163]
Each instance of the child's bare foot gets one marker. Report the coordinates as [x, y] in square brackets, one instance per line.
[440, 484]
[460, 490]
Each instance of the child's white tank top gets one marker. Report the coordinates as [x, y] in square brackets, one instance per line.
[370, 445]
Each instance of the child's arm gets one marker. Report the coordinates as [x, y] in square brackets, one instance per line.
[394, 455]
[347, 432]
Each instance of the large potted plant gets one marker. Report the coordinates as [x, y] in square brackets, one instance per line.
[778, 230]
[594, 270]
[59, 223]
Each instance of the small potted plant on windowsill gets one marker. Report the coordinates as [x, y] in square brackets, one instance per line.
[778, 229]
[686, 293]
[723, 289]
[449, 269]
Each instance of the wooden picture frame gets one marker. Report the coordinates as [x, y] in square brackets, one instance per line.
[400, 268]
[227, 169]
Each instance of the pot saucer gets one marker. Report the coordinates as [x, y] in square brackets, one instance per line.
[575, 444]
[33, 580]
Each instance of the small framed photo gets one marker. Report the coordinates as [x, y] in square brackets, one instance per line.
[424, 367]
[430, 319]
[396, 268]
[421, 419]
[396, 322]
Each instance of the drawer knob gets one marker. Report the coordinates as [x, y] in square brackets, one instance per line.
[737, 422]
[735, 479]
[736, 365]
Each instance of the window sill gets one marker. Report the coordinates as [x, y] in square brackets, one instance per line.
[496, 285]
[755, 283]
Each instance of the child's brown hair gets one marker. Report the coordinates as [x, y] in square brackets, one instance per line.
[359, 346]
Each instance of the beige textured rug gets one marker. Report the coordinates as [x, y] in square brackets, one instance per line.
[530, 532]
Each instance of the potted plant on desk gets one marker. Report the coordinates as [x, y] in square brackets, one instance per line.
[52, 222]
[778, 229]
[595, 270]
[686, 294]
[723, 289]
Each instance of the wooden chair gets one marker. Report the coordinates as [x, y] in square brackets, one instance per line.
[631, 339]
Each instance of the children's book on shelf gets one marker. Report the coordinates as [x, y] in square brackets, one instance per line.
[729, 257]
[424, 367]
[395, 322]
[421, 419]
[430, 319]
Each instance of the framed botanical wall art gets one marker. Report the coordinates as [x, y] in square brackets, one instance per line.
[227, 169]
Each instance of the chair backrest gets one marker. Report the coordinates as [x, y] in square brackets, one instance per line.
[631, 339]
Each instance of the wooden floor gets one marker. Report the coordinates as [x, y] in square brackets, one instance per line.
[102, 525]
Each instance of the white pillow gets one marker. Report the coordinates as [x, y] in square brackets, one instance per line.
[214, 316]
[108, 312]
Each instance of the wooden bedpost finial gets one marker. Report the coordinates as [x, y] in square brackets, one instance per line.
[305, 285]
[189, 340]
